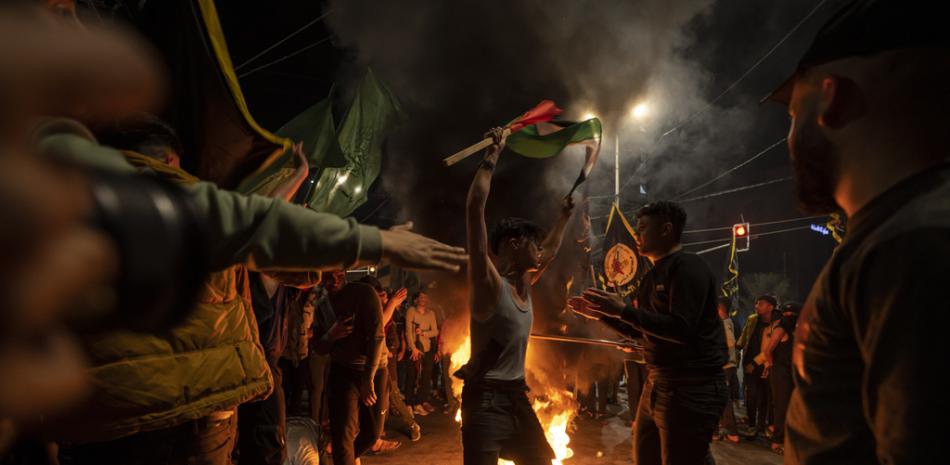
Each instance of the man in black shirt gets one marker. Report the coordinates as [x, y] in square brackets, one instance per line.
[684, 344]
[757, 390]
[869, 116]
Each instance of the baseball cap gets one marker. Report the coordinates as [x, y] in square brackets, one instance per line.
[867, 27]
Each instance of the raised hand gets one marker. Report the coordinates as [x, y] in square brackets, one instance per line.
[607, 303]
[399, 296]
[567, 206]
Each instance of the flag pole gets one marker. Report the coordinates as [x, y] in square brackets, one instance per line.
[617, 169]
[472, 149]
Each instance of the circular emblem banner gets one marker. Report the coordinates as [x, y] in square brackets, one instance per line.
[620, 264]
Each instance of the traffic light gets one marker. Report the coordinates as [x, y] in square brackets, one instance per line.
[740, 235]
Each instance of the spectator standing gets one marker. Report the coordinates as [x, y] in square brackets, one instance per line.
[728, 421]
[422, 328]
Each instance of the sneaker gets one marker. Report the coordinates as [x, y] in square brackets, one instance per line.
[428, 407]
[420, 410]
[415, 432]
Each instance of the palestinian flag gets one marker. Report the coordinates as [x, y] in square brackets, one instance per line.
[545, 139]
[622, 264]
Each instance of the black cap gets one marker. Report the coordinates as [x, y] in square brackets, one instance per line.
[793, 307]
[866, 27]
[768, 298]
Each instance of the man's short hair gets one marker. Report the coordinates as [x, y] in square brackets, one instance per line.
[668, 211]
[517, 228]
[139, 133]
[768, 298]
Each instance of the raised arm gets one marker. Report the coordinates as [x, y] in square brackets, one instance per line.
[483, 279]
[288, 189]
[552, 243]
[392, 304]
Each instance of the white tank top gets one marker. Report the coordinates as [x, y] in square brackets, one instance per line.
[510, 328]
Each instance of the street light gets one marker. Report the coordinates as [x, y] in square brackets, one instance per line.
[640, 111]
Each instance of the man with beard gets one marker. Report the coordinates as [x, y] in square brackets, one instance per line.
[675, 312]
[869, 118]
[497, 418]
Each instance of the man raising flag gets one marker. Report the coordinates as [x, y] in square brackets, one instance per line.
[497, 418]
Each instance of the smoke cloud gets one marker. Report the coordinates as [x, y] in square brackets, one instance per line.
[463, 67]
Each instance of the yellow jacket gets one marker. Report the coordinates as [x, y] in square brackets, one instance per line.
[214, 361]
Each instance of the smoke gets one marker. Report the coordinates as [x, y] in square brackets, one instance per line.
[461, 67]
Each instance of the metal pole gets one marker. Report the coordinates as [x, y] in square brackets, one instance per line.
[617, 168]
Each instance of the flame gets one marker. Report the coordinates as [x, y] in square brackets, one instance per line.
[555, 409]
[460, 357]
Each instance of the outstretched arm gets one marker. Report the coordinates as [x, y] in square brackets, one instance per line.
[552, 243]
[483, 279]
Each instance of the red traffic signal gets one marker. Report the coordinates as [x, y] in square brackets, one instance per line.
[740, 236]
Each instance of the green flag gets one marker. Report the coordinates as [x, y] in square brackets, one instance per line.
[341, 189]
[347, 160]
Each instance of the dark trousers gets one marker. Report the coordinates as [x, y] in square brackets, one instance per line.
[636, 377]
[318, 366]
[501, 423]
[397, 402]
[205, 441]
[296, 379]
[780, 378]
[758, 395]
[728, 420]
[354, 427]
[262, 427]
[676, 420]
[421, 374]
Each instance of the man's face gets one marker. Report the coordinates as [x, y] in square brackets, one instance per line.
[653, 235]
[813, 156]
[531, 254]
[524, 252]
[335, 281]
[422, 301]
[383, 296]
[764, 308]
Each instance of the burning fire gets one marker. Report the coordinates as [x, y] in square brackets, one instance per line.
[555, 409]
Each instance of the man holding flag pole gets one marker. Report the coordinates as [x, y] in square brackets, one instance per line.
[497, 418]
